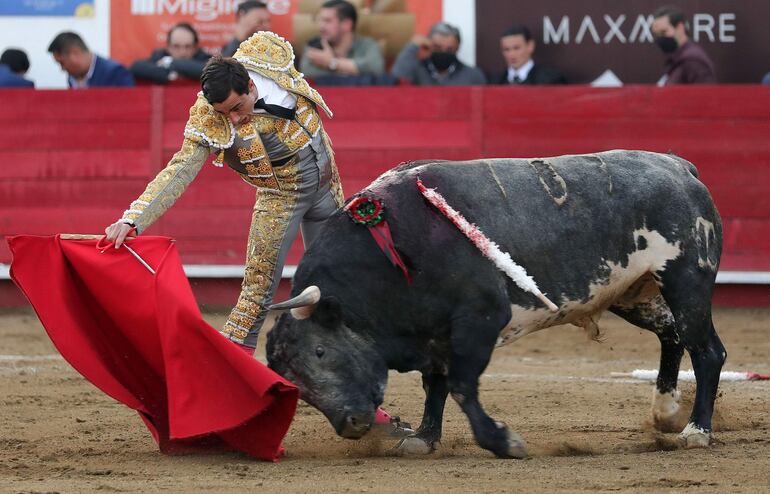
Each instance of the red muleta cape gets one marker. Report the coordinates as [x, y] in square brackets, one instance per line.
[141, 339]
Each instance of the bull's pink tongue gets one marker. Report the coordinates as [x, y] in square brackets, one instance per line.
[381, 417]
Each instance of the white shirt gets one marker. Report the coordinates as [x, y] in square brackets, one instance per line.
[522, 71]
[272, 93]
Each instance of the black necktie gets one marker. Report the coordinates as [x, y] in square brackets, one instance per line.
[276, 110]
[516, 79]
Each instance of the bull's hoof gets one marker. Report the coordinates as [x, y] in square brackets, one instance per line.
[414, 445]
[665, 407]
[517, 448]
[694, 437]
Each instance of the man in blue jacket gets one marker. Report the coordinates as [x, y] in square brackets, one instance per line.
[13, 65]
[84, 68]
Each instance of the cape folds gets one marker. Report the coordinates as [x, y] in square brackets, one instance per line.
[141, 339]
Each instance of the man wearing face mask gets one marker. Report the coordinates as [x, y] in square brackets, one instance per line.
[686, 62]
[433, 61]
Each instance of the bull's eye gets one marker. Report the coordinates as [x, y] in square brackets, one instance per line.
[319, 351]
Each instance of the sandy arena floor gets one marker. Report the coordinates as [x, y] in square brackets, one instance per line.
[586, 431]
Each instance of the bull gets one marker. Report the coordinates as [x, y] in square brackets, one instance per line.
[632, 232]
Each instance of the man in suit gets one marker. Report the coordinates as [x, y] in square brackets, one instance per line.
[13, 65]
[84, 68]
[251, 16]
[182, 58]
[517, 47]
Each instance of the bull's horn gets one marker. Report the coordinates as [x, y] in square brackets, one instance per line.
[303, 305]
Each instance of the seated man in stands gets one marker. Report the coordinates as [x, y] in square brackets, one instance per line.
[251, 16]
[686, 61]
[182, 58]
[339, 51]
[517, 47]
[433, 61]
[84, 68]
[13, 65]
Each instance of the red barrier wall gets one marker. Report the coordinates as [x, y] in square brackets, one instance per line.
[73, 160]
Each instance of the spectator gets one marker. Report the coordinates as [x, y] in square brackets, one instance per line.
[181, 58]
[251, 16]
[686, 62]
[339, 51]
[433, 60]
[13, 65]
[766, 79]
[517, 46]
[84, 68]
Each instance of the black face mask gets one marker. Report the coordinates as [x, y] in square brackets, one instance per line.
[442, 60]
[666, 43]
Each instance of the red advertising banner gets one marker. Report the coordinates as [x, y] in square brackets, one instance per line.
[139, 26]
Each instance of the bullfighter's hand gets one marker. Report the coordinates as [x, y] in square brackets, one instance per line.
[117, 232]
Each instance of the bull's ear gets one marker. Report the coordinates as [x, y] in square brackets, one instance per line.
[328, 313]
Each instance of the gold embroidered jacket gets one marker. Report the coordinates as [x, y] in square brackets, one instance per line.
[208, 132]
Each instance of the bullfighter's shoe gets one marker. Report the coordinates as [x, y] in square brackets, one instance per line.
[391, 426]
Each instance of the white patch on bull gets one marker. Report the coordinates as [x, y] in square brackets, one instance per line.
[553, 184]
[704, 238]
[603, 291]
[694, 437]
[664, 406]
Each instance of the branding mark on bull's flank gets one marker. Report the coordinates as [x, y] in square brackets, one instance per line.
[553, 184]
[705, 239]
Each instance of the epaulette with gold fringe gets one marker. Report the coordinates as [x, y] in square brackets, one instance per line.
[271, 56]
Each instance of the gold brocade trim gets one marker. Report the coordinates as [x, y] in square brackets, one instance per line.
[207, 125]
[253, 151]
[271, 56]
[291, 133]
[220, 159]
[261, 183]
[247, 131]
[336, 184]
[266, 50]
[261, 169]
[270, 219]
[252, 154]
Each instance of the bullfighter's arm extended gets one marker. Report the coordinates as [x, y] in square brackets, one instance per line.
[168, 185]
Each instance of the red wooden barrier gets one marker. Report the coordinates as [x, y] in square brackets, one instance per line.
[73, 160]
